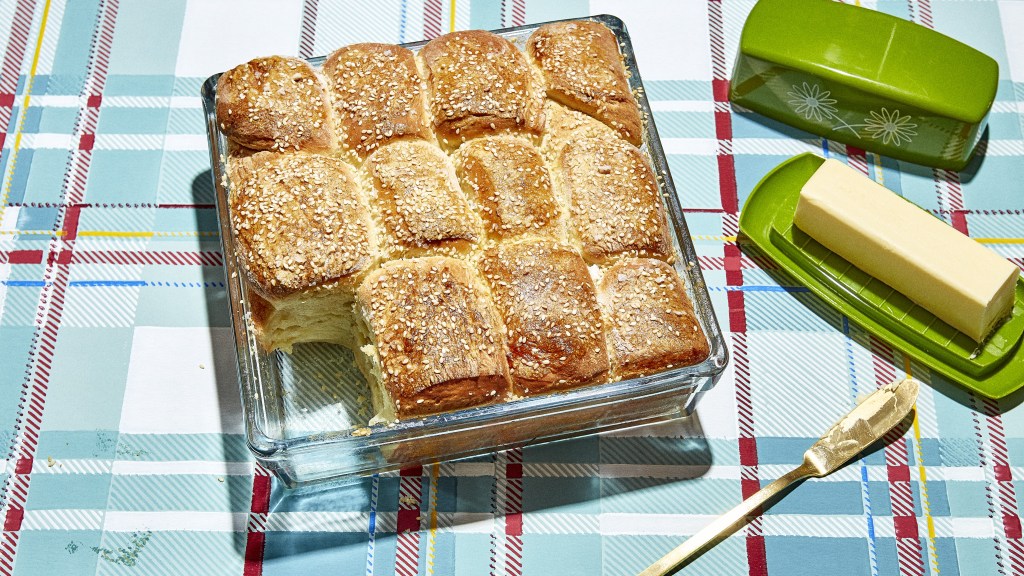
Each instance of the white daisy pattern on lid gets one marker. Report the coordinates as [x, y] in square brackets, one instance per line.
[810, 101]
[817, 105]
[890, 127]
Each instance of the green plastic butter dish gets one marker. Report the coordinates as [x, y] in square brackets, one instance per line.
[994, 369]
[865, 79]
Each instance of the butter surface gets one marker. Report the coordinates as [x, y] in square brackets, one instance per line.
[958, 280]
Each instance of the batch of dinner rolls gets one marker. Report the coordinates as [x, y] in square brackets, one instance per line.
[476, 222]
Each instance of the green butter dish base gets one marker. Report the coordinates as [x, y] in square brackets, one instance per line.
[994, 368]
[866, 79]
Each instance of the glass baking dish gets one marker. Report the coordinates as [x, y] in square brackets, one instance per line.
[306, 413]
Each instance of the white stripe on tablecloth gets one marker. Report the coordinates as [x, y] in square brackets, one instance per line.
[608, 524]
[176, 520]
[127, 467]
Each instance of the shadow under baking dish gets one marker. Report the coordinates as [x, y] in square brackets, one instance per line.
[306, 413]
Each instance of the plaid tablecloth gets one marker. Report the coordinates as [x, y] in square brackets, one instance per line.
[119, 408]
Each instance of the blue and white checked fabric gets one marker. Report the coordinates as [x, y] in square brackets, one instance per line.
[119, 409]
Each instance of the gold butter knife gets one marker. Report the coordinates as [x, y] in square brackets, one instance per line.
[880, 412]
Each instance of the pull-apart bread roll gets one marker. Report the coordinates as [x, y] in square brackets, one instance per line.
[565, 125]
[303, 230]
[510, 184]
[378, 96]
[275, 103]
[652, 326]
[583, 70]
[547, 299]
[615, 206]
[480, 84]
[422, 208]
[434, 340]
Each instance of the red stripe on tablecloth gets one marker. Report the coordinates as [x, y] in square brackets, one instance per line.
[958, 219]
[13, 518]
[307, 36]
[857, 159]
[255, 543]
[1005, 492]
[71, 219]
[909, 553]
[431, 19]
[518, 12]
[256, 537]
[410, 500]
[51, 300]
[514, 512]
[757, 562]
[22, 257]
[10, 70]
[155, 257]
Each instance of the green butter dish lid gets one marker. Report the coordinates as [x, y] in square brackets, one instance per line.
[866, 79]
[882, 54]
[994, 368]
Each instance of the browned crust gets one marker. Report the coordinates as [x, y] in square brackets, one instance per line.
[261, 313]
[510, 183]
[582, 67]
[421, 207]
[275, 103]
[378, 96]
[301, 221]
[614, 203]
[652, 326]
[547, 299]
[565, 125]
[480, 84]
[437, 337]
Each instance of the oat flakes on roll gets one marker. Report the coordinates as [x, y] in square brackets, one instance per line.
[378, 96]
[275, 103]
[480, 84]
[303, 230]
[583, 69]
[651, 322]
[614, 200]
[433, 342]
[546, 297]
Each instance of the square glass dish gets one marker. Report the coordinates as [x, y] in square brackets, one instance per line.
[306, 413]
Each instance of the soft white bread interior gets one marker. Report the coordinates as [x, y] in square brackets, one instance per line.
[303, 231]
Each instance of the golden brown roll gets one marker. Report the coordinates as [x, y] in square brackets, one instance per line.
[547, 299]
[419, 202]
[565, 125]
[480, 84]
[511, 186]
[582, 67]
[378, 96]
[434, 342]
[275, 103]
[614, 202]
[303, 231]
[652, 326]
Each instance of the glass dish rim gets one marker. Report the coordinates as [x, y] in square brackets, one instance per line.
[267, 447]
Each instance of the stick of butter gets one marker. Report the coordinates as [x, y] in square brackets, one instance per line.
[955, 278]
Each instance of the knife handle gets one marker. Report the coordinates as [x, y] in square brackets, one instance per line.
[726, 523]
